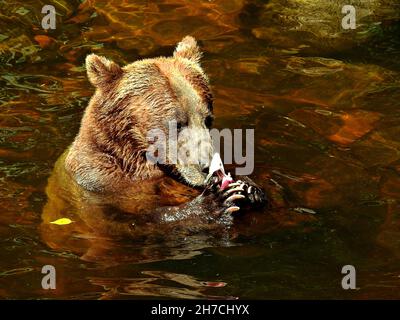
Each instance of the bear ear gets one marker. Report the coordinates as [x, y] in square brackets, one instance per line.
[101, 71]
[188, 49]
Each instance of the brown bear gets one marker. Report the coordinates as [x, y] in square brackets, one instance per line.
[104, 180]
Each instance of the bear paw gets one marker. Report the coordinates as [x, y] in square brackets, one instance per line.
[243, 193]
[227, 199]
[252, 194]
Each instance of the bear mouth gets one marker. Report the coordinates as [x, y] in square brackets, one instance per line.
[194, 176]
[191, 175]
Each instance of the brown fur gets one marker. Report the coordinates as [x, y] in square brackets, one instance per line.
[109, 151]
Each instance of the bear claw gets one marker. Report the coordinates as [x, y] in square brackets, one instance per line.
[236, 189]
[232, 209]
[234, 197]
[234, 184]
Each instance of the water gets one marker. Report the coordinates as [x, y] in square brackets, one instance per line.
[324, 103]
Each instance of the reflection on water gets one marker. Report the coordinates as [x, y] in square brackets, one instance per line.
[324, 105]
[158, 284]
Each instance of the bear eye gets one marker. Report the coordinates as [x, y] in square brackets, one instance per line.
[208, 121]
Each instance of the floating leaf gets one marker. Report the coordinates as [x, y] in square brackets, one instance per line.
[62, 221]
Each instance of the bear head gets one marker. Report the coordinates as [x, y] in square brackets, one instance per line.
[134, 102]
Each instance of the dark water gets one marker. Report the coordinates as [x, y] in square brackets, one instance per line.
[324, 103]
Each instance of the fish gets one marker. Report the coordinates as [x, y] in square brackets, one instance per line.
[217, 169]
